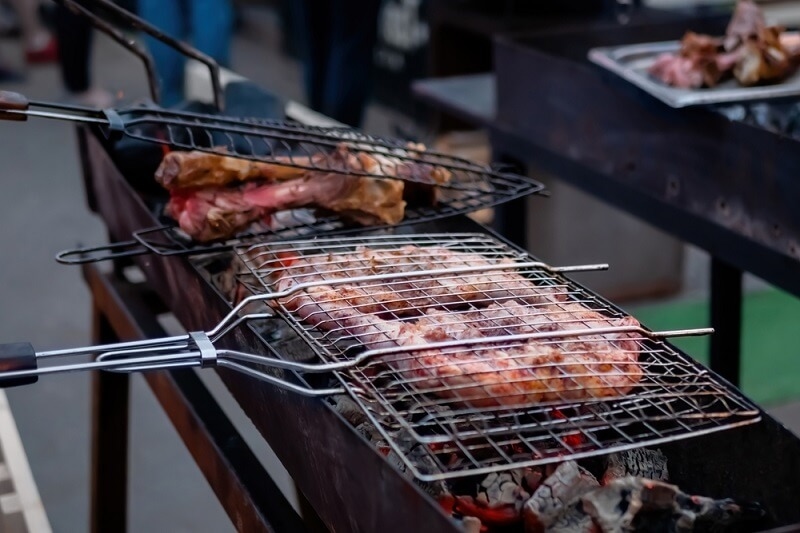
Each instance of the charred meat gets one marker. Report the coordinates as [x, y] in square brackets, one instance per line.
[220, 212]
[215, 196]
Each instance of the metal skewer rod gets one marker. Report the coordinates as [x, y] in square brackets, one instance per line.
[400, 275]
[315, 368]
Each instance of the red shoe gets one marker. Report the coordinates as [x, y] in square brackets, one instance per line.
[47, 54]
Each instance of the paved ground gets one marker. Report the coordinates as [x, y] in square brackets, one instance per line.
[43, 213]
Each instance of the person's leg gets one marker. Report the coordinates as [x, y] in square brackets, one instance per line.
[313, 22]
[75, 32]
[39, 44]
[170, 17]
[75, 35]
[350, 67]
[212, 26]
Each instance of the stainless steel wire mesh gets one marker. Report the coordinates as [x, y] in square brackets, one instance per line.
[474, 357]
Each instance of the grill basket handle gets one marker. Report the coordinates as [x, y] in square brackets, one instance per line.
[10, 101]
[96, 254]
[137, 23]
[14, 357]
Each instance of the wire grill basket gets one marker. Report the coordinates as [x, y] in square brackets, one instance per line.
[510, 364]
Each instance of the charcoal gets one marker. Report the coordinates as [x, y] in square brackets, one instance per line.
[350, 410]
[567, 484]
[636, 504]
[648, 464]
[420, 457]
[532, 478]
[504, 488]
[778, 117]
[572, 519]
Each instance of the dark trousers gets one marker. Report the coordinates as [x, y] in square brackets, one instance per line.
[338, 37]
[74, 34]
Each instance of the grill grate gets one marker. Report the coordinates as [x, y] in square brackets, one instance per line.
[308, 147]
[468, 187]
[336, 150]
[570, 384]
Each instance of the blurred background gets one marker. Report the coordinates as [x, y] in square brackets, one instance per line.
[44, 211]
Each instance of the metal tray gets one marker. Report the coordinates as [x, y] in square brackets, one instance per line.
[631, 62]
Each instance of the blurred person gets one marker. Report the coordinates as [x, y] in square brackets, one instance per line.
[207, 24]
[75, 33]
[338, 38]
[39, 44]
[9, 74]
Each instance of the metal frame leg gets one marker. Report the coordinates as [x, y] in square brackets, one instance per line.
[109, 460]
[250, 497]
[726, 319]
[511, 218]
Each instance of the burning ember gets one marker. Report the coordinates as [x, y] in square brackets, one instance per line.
[626, 491]
[631, 494]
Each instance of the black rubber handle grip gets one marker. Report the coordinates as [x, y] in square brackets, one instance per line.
[13, 102]
[17, 356]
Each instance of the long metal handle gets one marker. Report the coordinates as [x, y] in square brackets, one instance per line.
[95, 254]
[255, 372]
[319, 368]
[16, 107]
[20, 364]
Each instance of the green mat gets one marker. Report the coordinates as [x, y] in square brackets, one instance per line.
[770, 340]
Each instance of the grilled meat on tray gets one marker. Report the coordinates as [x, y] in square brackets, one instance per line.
[414, 312]
[751, 52]
[215, 196]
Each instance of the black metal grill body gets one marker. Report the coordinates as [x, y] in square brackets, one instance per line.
[725, 185]
[349, 483]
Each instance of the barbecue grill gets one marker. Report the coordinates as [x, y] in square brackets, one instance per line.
[200, 289]
[676, 398]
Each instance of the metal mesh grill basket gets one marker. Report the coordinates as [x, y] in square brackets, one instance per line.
[473, 357]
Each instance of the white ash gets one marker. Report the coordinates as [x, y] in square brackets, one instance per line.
[504, 488]
[568, 483]
[571, 519]
[640, 462]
